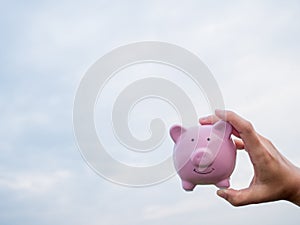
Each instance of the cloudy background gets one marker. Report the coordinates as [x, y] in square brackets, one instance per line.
[251, 47]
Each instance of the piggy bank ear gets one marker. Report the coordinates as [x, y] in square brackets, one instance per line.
[222, 129]
[176, 131]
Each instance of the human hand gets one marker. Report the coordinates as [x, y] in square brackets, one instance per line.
[275, 178]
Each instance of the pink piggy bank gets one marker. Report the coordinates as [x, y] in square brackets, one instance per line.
[204, 154]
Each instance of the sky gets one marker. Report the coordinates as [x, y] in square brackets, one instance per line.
[251, 47]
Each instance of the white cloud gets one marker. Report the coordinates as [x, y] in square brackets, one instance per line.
[35, 182]
[188, 205]
[251, 47]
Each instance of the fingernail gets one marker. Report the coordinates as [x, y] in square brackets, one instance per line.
[205, 118]
[222, 193]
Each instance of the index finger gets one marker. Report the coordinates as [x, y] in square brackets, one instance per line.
[212, 119]
[242, 126]
[207, 120]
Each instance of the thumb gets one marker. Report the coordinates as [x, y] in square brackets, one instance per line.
[237, 197]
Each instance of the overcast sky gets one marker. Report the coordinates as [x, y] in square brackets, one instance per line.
[251, 47]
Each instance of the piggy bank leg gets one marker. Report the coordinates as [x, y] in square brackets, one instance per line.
[188, 186]
[223, 184]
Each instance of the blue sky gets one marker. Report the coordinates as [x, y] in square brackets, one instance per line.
[251, 47]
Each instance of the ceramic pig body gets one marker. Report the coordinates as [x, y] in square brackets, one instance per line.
[204, 154]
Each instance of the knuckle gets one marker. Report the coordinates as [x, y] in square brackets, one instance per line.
[235, 202]
[248, 127]
[237, 199]
[269, 142]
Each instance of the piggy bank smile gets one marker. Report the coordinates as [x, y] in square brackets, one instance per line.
[208, 171]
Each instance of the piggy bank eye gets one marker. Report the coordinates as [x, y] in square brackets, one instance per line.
[208, 139]
[192, 139]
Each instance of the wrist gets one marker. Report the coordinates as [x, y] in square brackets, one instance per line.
[295, 187]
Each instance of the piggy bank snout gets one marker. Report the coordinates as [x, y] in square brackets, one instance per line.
[201, 158]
